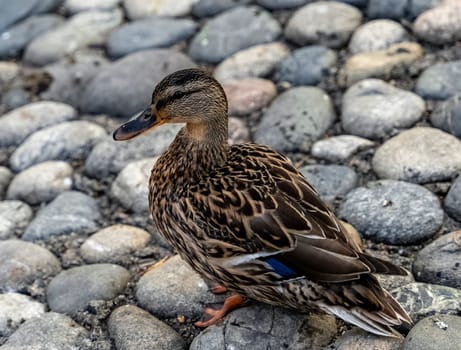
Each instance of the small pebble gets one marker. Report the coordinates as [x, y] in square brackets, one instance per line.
[340, 148]
[14, 218]
[74, 6]
[281, 4]
[447, 115]
[452, 201]
[136, 9]
[440, 81]
[5, 178]
[387, 9]
[358, 339]
[208, 8]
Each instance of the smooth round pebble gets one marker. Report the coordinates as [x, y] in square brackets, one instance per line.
[5, 178]
[447, 115]
[393, 212]
[419, 155]
[114, 244]
[281, 4]
[387, 9]
[134, 328]
[136, 9]
[295, 119]
[72, 289]
[358, 339]
[22, 264]
[374, 109]
[75, 6]
[14, 218]
[452, 202]
[440, 81]
[340, 148]
[208, 8]
[238, 131]
[13, 11]
[41, 182]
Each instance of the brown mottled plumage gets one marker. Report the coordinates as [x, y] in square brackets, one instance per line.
[245, 218]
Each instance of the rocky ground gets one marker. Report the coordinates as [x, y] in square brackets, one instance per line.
[363, 95]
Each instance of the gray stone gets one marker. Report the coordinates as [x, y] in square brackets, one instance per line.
[14, 217]
[257, 61]
[79, 32]
[419, 155]
[339, 148]
[110, 157]
[136, 9]
[123, 89]
[114, 244]
[50, 331]
[16, 125]
[306, 66]
[393, 212]
[356, 3]
[149, 33]
[22, 264]
[358, 339]
[13, 40]
[8, 72]
[447, 115]
[434, 333]
[172, 288]
[41, 182]
[15, 98]
[134, 328]
[232, 31]
[296, 119]
[281, 4]
[69, 212]
[440, 81]
[75, 6]
[439, 262]
[452, 201]
[5, 177]
[17, 308]
[374, 109]
[260, 326]
[387, 9]
[207, 8]
[73, 289]
[324, 22]
[238, 131]
[417, 7]
[66, 141]
[330, 181]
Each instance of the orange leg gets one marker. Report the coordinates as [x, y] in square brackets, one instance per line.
[230, 304]
[218, 289]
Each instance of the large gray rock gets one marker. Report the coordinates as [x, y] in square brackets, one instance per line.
[358, 339]
[136, 9]
[207, 8]
[447, 115]
[14, 217]
[452, 201]
[440, 81]
[339, 148]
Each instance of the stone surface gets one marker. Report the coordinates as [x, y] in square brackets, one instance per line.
[377, 35]
[417, 7]
[101, 282]
[232, 31]
[374, 109]
[256, 61]
[281, 4]
[358, 339]
[339, 148]
[69, 212]
[207, 8]
[447, 115]
[16, 125]
[122, 89]
[5, 178]
[419, 155]
[387, 9]
[149, 33]
[8, 72]
[75, 6]
[114, 244]
[15, 98]
[439, 262]
[393, 212]
[295, 119]
[66, 141]
[384, 64]
[41, 182]
[14, 217]
[325, 22]
[238, 131]
[136, 9]
[22, 264]
[306, 66]
[134, 328]
[452, 201]
[440, 81]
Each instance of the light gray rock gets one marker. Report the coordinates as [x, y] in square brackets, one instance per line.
[374, 109]
[238, 131]
[66, 141]
[452, 201]
[5, 177]
[24, 263]
[8, 72]
[447, 115]
[339, 148]
[14, 217]
[136, 9]
[296, 119]
[419, 155]
[134, 328]
[358, 339]
[207, 8]
[75, 6]
[69, 212]
[440, 81]
[16, 125]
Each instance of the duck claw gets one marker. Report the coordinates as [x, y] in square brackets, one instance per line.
[230, 304]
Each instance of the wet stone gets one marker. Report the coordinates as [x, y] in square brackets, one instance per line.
[393, 212]
[5, 177]
[66, 141]
[295, 119]
[340, 148]
[207, 8]
[419, 155]
[134, 328]
[101, 282]
[69, 212]
[447, 115]
[440, 81]
[232, 31]
[22, 264]
[358, 339]
[452, 203]
[75, 6]
[374, 109]
[114, 244]
[136, 9]
[14, 218]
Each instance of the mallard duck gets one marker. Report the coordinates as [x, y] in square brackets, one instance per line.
[245, 218]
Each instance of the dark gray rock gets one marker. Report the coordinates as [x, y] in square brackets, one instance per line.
[5, 177]
[134, 328]
[281, 4]
[393, 212]
[339, 148]
[356, 3]
[72, 290]
[306, 66]
[14, 217]
[207, 8]
[452, 201]
[123, 89]
[387, 9]
[70, 212]
[295, 119]
[447, 115]
[440, 81]
[233, 30]
[149, 33]
[22, 264]
[417, 7]
[439, 262]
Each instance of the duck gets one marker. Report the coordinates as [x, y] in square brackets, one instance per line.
[245, 218]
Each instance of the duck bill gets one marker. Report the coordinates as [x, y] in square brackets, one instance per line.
[136, 126]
